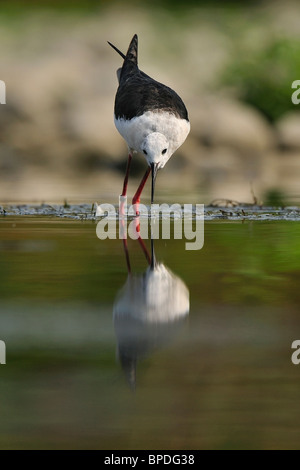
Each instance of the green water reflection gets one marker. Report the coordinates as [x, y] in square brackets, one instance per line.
[223, 378]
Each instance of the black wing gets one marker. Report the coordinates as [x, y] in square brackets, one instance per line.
[139, 93]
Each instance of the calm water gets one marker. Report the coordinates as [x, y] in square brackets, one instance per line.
[192, 354]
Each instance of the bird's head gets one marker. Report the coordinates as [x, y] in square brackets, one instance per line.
[155, 148]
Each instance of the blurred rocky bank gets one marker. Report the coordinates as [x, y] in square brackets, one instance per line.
[57, 136]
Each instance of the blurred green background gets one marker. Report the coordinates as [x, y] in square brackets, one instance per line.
[233, 63]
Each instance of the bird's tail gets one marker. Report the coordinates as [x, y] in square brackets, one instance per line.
[130, 59]
[132, 52]
[130, 63]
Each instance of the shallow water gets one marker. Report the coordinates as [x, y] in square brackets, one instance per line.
[193, 354]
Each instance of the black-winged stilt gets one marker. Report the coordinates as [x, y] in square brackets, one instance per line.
[150, 116]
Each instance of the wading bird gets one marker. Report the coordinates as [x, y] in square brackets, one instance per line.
[150, 116]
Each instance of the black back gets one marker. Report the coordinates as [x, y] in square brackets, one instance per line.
[139, 93]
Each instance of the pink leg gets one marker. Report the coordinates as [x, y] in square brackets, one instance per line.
[144, 248]
[141, 241]
[136, 197]
[124, 238]
[126, 175]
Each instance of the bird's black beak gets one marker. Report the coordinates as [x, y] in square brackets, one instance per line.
[154, 168]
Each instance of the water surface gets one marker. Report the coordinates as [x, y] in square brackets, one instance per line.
[193, 354]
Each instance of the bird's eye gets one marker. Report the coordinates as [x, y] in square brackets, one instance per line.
[164, 151]
[145, 152]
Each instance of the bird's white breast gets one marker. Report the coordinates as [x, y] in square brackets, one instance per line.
[135, 130]
[157, 296]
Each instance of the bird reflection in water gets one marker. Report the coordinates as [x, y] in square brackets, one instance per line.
[148, 311]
